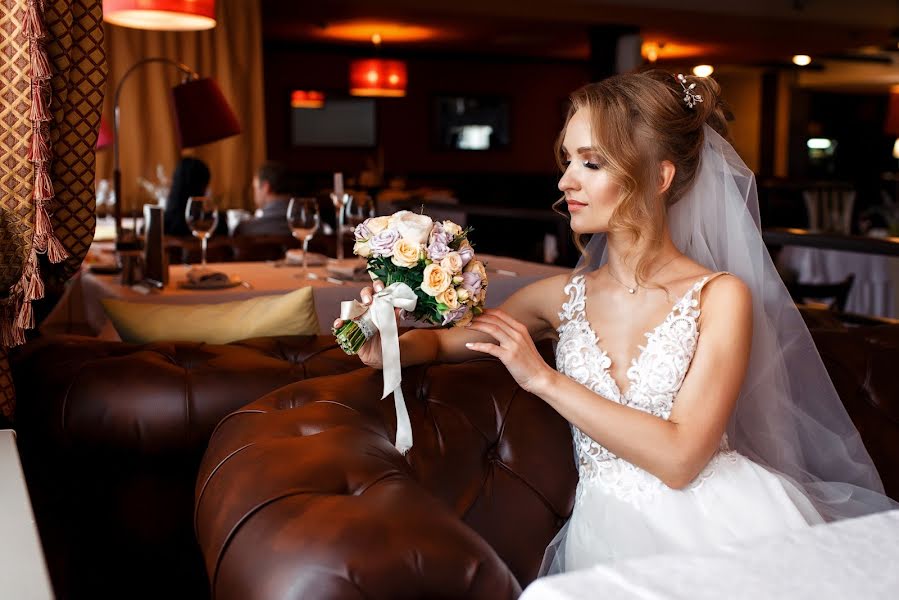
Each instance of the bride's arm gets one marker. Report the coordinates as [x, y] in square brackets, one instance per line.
[675, 450]
[533, 306]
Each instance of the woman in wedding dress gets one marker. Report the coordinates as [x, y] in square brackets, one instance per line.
[700, 410]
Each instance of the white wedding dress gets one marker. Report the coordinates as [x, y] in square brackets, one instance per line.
[622, 511]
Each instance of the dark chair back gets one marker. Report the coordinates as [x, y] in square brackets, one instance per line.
[837, 293]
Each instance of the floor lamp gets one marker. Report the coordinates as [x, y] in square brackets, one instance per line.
[202, 115]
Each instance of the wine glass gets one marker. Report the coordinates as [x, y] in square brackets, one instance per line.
[303, 220]
[202, 217]
[340, 202]
[358, 209]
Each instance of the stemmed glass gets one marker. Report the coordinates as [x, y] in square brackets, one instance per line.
[304, 220]
[340, 203]
[358, 209]
[202, 217]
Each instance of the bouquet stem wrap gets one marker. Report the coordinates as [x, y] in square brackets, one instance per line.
[381, 315]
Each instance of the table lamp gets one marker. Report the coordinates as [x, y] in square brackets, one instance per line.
[202, 115]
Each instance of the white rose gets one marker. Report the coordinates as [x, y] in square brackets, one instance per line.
[362, 249]
[451, 228]
[452, 262]
[462, 294]
[405, 253]
[415, 228]
[449, 297]
[377, 224]
[435, 280]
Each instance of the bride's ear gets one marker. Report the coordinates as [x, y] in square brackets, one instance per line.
[666, 175]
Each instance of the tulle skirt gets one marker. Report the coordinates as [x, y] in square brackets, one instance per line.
[628, 513]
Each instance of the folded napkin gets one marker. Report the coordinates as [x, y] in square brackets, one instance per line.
[294, 256]
[207, 278]
[348, 268]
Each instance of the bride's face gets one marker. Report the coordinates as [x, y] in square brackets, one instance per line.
[589, 191]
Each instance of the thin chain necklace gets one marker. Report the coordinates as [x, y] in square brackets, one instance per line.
[633, 290]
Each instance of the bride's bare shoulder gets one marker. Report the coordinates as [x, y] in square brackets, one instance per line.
[540, 300]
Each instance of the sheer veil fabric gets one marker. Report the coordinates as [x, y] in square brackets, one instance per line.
[788, 417]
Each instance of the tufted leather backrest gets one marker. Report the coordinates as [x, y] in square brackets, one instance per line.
[302, 491]
[159, 398]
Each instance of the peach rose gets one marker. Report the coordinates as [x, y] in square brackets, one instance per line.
[451, 228]
[405, 253]
[377, 224]
[436, 280]
[465, 320]
[449, 297]
[452, 262]
[362, 249]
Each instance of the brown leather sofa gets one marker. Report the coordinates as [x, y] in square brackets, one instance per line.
[301, 495]
[111, 436]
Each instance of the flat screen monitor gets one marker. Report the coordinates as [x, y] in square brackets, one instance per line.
[338, 123]
[472, 122]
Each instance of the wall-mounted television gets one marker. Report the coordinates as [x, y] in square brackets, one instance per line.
[471, 122]
[340, 122]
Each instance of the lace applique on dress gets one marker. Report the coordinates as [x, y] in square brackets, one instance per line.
[654, 378]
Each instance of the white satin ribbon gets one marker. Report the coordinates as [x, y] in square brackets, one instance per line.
[396, 295]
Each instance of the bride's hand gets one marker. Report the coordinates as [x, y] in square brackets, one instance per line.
[515, 349]
[370, 352]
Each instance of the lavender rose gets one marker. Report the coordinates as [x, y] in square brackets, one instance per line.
[454, 315]
[466, 252]
[382, 243]
[362, 232]
[440, 235]
[471, 282]
[438, 250]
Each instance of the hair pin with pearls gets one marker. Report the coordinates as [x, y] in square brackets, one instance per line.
[690, 97]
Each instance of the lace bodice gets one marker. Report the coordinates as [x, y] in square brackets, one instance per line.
[654, 377]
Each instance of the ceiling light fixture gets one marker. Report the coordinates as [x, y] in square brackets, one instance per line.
[802, 60]
[703, 70]
[378, 77]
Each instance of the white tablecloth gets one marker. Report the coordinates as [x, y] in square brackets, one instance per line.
[23, 572]
[80, 311]
[856, 558]
[875, 290]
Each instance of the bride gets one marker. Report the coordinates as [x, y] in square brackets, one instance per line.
[700, 410]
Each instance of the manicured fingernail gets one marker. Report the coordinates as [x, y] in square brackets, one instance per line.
[468, 344]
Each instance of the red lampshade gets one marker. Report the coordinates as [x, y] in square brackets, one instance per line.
[892, 123]
[202, 115]
[162, 15]
[378, 77]
[104, 137]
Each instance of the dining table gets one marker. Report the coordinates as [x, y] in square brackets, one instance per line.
[80, 309]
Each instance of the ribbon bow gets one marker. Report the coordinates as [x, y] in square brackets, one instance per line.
[396, 295]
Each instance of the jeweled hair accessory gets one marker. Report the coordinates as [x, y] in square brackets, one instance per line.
[690, 97]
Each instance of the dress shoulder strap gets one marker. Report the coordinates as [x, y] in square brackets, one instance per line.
[705, 280]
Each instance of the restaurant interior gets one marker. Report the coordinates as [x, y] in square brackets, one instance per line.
[188, 194]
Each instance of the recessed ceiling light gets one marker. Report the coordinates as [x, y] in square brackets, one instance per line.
[703, 70]
[802, 60]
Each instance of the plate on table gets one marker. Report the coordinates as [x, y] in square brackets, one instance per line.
[211, 281]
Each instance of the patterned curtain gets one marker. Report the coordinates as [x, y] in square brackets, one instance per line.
[53, 77]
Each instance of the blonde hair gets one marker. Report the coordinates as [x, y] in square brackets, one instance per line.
[639, 120]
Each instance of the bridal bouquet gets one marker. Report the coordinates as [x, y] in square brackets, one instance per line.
[433, 259]
[431, 274]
